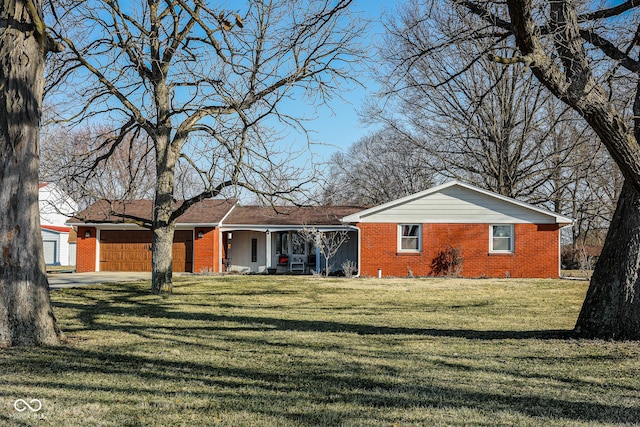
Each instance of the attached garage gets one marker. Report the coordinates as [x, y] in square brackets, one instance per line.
[111, 239]
[130, 250]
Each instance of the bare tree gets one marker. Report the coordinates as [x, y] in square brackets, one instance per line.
[580, 54]
[377, 169]
[327, 242]
[210, 87]
[587, 190]
[477, 121]
[68, 158]
[26, 316]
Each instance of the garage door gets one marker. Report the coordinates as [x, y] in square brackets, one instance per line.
[49, 252]
[130, 250]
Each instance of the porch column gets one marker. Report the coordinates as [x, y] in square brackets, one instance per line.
[268, 251]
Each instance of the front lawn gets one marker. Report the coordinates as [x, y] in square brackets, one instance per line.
[303, 351]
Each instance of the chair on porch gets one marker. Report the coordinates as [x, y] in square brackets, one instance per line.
[283, 264]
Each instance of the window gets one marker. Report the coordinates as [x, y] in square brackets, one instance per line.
[410, 237]
[282, 243]
[278, 243]
[254, 250]
[501, 238]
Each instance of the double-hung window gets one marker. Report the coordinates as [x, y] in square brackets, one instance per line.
[410, 238]
[501, 238]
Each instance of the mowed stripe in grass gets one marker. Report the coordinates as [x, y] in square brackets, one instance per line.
[299, 351]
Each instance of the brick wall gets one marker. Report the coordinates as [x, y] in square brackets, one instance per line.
[205, 250]
[535, 251]
[86, 250]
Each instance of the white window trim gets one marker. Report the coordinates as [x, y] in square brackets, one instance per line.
[511, 241]
[414, 251]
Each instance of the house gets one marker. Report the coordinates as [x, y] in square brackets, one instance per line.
[458, 228]
[211, 236]
[454, 228]
[59, 240]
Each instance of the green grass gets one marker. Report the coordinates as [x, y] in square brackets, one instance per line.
[297, 351]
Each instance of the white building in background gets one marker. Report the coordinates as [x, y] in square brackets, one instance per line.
[59, 240]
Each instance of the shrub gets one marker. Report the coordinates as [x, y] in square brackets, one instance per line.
[349, 268]
[448, 262]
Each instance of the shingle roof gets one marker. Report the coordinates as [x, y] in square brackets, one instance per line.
[210, 211]
[289, 215]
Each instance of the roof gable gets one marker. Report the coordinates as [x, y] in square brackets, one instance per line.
[456, 202]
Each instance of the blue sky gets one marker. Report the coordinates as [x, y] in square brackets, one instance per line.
[337, 126]
[338, 129]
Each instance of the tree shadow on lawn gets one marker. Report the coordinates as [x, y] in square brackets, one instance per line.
[154, 379]
[125, 304]
[324, 387]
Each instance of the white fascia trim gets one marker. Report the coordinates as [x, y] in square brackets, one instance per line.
[228, 213]
[275, 228]
[453, 221]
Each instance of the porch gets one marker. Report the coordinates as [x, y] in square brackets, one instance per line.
[280, 250]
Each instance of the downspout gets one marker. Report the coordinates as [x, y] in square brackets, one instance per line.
[267, 239]
[97, 266]
[359, 250]
[560, 252]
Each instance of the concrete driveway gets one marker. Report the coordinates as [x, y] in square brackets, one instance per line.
[72, 280]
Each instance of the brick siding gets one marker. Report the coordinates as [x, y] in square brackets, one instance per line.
[205, 251]
[86, 250]
[535, 251]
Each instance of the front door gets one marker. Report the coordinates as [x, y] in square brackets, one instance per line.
[298, 260]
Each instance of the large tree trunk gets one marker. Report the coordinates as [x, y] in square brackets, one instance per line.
[162, 272]
[26, 316]
[163, 225]
[611, 309]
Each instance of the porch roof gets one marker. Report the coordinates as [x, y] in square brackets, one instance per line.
[294, 216]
